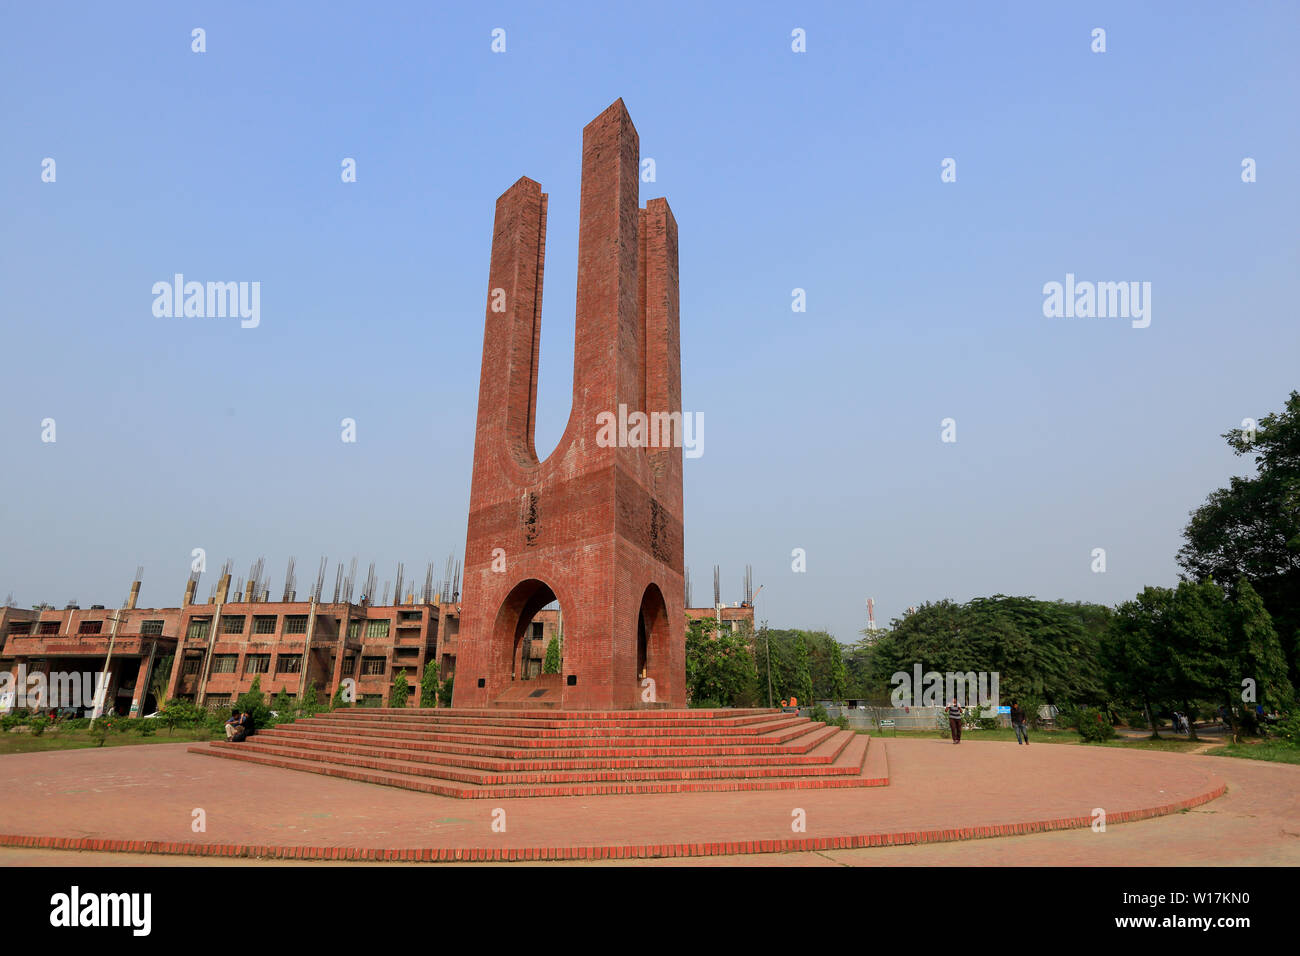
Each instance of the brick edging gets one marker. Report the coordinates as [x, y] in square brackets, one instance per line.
[648, 851]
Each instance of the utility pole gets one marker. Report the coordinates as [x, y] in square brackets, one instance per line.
[98, 710]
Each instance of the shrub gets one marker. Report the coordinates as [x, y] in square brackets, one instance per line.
[945, 729]
[74, 723]
[283, 706]
[1094, 725]
[310, 701]
[706, 703]
[101, 728]
[337, 700]
[977, 719]
[429, 685]
[551, 664]
[181, 713]
[401, 690]
[145, 727]
[1031, 706]
[36, 725]
[254, 701]
[1288, 728]
[819, 713]
[1067, 716]
[9, 721]
[445, 692]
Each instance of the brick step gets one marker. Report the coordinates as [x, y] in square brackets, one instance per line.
[440, 717]
[799, 739]
[540, 738]
[514, 729]
[875, 766]
[821, 760]
[527, 778]
[495, 749]
[554, 717]
[499, 759]
[429, 785]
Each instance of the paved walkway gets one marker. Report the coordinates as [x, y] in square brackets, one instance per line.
[937, 792]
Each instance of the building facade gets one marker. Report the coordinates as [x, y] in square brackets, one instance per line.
[210, 653]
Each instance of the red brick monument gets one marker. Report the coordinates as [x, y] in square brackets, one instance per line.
[598, 524]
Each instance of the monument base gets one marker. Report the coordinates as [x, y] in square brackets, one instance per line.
[542, 752]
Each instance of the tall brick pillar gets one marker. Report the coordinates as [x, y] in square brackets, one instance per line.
[597, 526]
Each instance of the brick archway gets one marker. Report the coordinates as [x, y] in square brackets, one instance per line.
[513, 618]
[654, 639]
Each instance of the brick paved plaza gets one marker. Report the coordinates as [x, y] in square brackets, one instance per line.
[939, 798]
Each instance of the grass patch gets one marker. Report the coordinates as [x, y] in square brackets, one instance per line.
[15, 743]
[1276, 751]
[1168, 744]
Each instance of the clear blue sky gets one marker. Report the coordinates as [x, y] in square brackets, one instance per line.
[816, 170]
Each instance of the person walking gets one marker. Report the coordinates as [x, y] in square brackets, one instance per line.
[1018, 722]
[954, 720]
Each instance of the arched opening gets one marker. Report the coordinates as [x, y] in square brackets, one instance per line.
[652, 635]
[529, 619]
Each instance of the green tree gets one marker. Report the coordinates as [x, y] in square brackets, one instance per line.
[429, 685]
[1133, 650]
[802, 683]
[310, 700]
[719, 665]
[401, 690]
[551, 665]
[1198, 654]
[839, 674]
[337, 700]
[1258, 654]
[1252, 527]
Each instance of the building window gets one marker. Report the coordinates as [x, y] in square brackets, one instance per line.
[90, 627]
[48, 627]
[349, 666]
[151, 628]
[191, 666]
[198, 629]
[295, 624]
[416, 616]
[222, 663]
[288, 664]
[354, 628]
[257, 664]
[218, 701]
[377, 628]
[370, 666]
[232, 624]
[20, 627]
[264, 624]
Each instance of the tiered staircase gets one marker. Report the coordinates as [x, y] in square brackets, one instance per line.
[542, 752]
